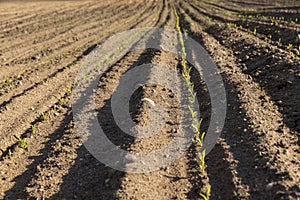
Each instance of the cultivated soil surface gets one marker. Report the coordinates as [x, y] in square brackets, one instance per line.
[255, 45]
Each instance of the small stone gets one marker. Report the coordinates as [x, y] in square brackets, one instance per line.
[269, 186]
[149, 100]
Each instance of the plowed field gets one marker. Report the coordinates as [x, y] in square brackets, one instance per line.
[256, 47]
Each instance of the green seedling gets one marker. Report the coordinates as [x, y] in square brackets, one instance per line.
[231, 24]
[290, 46]
[198, 125]
[279, 41]
[68, 90]
[8, 81]
[254, 31]
[201, 139]
[61, 101]
[33, 129]
[44, 115]
[298, 50]
[10, 154]
[191, 87]
[207, 193]
[193, 113]
[55, 108]
[22, 143]
[192, 99]
[202, 161]
[117, 194]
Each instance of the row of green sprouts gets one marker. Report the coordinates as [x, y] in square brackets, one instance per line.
[186, 74]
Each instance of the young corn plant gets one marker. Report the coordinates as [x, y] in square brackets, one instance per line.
[200, 139]
[44, 115]
[68, 90]
[202, 160]
[33, 129]
[186, 75]
[55, 108]
[193, 113]
[207, 194]
[254, 31]
[22, 143]
[10, 153]
[61, 101]
[298, 50]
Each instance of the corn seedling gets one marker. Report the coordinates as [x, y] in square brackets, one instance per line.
[232, 24]
[33, 129]
[117, 194]
[198, 126]
[22, 143]
[8, 81]
[186, 75]
[61, 101]
[10, 154]
[192, 99]
[44, 115]
[298, 50]
[254, 31]
[279, 41]
[200, 139]
[207, 193]
[55, 108]
[202, 160]
[68, 90]
[193, 113]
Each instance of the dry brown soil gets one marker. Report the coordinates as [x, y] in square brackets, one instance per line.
[255, 45]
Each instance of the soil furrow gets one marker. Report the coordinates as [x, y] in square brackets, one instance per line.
[64, 70]
[39, 48]
[287, 186]
[73, 47]
[45, 14]
[284, 38]
[42, 151]
[60, 24]
[17, 191]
